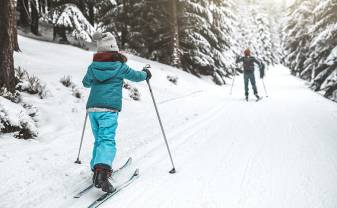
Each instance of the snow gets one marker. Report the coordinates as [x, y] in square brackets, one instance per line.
[279, 152]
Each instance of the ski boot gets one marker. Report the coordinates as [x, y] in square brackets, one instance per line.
[247, 98]
[257, 97]
[101, 176]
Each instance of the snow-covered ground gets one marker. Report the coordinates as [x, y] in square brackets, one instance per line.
[279, 152]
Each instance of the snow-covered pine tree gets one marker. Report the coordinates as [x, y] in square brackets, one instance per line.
[151, 26]
[265, 47]
[323, 48]
[87, 8]
[69, 17]
[276, 15]
[206, 38]
[225, 28]
[311, 44]
[298, 37]
[105, 17]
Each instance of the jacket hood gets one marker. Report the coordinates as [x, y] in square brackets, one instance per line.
[103, 71]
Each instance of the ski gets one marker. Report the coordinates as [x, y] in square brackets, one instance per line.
[88, 188]
[107, 196]
[84, 191]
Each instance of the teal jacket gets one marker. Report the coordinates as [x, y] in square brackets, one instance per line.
[106, 82]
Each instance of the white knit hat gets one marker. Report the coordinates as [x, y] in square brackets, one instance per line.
[105, 42]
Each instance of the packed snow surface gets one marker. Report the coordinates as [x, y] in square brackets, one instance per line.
[279, 152]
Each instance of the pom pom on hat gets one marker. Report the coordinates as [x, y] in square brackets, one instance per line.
[105, 42]
[97, 36]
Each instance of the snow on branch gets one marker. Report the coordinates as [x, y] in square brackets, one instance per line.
[71, 17]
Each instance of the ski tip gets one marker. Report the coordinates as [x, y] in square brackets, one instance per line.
[127, 162]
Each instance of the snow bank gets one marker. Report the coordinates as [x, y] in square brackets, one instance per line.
[14, 117]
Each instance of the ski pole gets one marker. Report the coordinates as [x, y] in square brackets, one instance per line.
[162, 128]
[233, 80]
[78, 161]
[265, 90]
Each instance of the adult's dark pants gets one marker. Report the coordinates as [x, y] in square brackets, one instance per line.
[249, 77]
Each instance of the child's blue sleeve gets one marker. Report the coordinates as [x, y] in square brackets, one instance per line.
[132, 75]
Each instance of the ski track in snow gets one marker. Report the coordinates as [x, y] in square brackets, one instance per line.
[279, 152]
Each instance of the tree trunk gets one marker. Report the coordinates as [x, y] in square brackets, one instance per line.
[7, 43]
[15, 38]
[34, 26]
[174, 28]
[24, 13]
[125, 22]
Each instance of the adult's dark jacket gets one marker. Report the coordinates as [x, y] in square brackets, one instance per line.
[249, 64]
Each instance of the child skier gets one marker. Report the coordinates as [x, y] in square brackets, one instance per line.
[248, 71]
[105, 78]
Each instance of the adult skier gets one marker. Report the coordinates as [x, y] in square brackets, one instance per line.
[248, 71]
[105, 78]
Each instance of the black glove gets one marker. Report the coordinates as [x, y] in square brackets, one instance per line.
[237, 59]
[148, 73]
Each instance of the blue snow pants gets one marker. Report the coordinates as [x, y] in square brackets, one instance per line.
[249, 76]
[103, 125]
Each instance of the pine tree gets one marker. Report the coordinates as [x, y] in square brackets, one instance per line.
[265, 49]
[207, 38]
[323, 48]
[298, 37]
[149, 31]
[68, 17]
[311, 44]
[119, 17]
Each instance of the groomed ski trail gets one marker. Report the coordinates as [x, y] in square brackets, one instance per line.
[279, 152]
